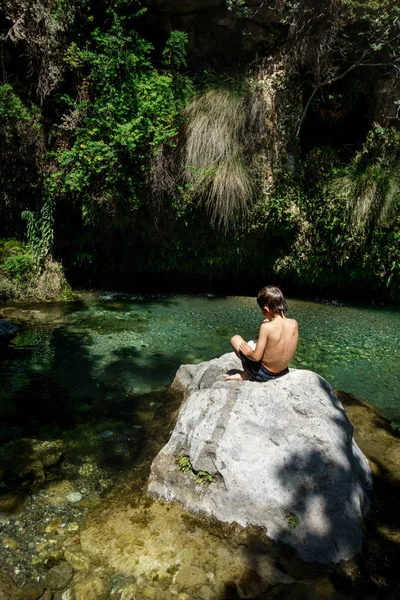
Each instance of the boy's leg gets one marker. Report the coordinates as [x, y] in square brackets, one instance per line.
[235, 341]
[242, 376]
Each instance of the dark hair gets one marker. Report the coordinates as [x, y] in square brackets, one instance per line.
[272, 297]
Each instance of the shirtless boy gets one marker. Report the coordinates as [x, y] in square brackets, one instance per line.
[276, 343]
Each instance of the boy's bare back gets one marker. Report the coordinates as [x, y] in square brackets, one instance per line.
[282, 335]
[276, 343]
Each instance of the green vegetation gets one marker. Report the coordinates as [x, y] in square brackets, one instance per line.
[293, 521]
[185, 466]
[118, 153]
[203, 478]
[20, 279]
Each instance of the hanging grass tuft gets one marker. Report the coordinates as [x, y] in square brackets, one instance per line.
[214, 157]
[371, 194]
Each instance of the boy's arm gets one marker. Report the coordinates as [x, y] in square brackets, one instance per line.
[258, 353]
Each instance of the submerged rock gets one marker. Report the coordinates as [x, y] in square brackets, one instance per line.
[24, 461]
[9, 591]
[91, 588]
[59, 577]
[7, 330]
[74, 497]
[279, 455]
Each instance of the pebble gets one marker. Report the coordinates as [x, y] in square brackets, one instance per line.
[41, 546]
[149, 592]
[74, 497]
[190, 576]
[128, 592]
[53, 525]
[77, 560]
[9, 503]
[58, 577]
[106, 434]
[206, 593]
[10, 543]
[90, 588]
[72, 528]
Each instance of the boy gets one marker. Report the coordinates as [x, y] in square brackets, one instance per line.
[276, 343]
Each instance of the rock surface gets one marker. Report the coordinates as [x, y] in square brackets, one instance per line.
[9, 591]
[7, 330]
[282, 454]
[24, 461]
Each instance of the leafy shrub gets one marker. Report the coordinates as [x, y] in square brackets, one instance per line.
[127, 109]
[17, 261]
[20, 280]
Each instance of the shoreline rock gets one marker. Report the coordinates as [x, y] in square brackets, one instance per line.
[280, 455]
[7, 331]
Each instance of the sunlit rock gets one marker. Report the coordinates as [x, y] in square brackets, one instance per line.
[91, 588]
[279, 455]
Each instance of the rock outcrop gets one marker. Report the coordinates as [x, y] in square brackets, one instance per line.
[279, 455]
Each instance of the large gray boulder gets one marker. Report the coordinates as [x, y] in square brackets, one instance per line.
[282, 455]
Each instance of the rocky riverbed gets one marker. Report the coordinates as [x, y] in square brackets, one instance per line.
[63, 542]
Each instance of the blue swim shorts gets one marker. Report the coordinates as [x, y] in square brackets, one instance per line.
[258, 371]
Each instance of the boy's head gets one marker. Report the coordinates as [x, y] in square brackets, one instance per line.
[272, 298]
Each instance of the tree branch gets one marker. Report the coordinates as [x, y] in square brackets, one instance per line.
[329, 81]
[14, 26]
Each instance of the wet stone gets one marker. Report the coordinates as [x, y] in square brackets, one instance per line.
[52, 558]
[10, 543]
[91, 588]
[53, 525]
[10, 503]
[74, 497]
[72, 528]
[56, 491]
[41, 546]
[149, 592]
[58, 577]
[250, 585]
[206, 593]
[128, 592]
[189, 577]
[77, 560]
[9, 591]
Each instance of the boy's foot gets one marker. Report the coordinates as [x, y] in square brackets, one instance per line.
[243, 376]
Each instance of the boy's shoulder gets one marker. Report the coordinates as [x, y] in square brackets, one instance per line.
[272, 324]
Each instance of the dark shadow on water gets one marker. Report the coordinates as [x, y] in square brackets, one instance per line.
[58, 388]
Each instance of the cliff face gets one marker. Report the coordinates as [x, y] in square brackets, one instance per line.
[233, 36]
[218, 35]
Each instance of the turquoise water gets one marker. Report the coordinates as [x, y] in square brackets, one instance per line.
[110, 352]
[90, 378]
